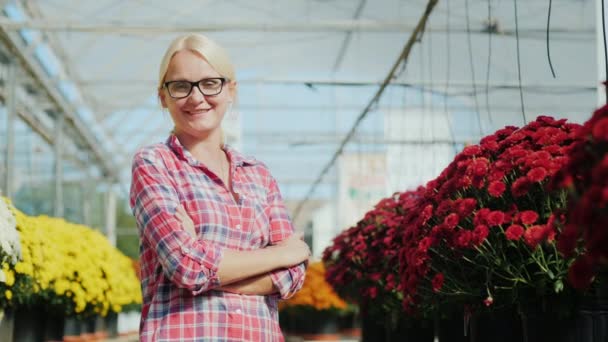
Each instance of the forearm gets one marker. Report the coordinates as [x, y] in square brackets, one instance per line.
[240, 265]
[256, 285]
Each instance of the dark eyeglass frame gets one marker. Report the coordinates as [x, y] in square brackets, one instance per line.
[196, 84]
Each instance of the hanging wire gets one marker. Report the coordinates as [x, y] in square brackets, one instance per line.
[448, 43]
[472, 65]
[403, 57]
[402, 147]
[420, 122]
[548, 50]
[431, 106]
[490, 33]
[521, 91]
[605, 47]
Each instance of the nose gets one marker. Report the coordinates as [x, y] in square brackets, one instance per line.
[196, 96]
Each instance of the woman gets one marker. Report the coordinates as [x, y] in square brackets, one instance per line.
[217, 248]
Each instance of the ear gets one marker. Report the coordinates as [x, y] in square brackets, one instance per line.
[232, 86]
[161, 96]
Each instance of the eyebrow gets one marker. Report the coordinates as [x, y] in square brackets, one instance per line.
[187, 80]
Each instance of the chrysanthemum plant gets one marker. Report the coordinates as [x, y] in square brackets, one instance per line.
[484, 233]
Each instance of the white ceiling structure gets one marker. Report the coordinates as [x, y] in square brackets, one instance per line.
[308, 68]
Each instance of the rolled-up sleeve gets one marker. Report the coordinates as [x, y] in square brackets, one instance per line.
[288, 280]
[189, 263]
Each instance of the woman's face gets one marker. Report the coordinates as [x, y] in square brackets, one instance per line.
[197, 114]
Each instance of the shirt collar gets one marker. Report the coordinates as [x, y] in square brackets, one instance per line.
[237, 158]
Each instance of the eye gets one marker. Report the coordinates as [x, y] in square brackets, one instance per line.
[211, 83]
[180, 86]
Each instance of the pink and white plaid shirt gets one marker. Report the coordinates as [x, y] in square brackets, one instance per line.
[179, 272]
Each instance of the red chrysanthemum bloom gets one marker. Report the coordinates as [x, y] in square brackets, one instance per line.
[466, 206]
[496, 218]
[600, 130]
[528, 217]
[462, 239]
[514, 232]
[427, 212]
[478, 167]
[425, 244]
[496, 188]
[480, 233]
[534, 235]
[520, 187]
[488, 301]
[481, 217]
[451, 220]
[472, 150]
[581, 272]
[537, 174]
[437, 282]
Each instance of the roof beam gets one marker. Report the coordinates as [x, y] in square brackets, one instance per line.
[359, 25]
[35, 69]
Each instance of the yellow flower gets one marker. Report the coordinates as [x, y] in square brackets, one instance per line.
[8, 294]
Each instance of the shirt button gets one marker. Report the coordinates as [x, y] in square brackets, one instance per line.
[238, 226]
[238, 311]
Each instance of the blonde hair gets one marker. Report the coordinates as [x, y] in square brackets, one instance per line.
[212, 52]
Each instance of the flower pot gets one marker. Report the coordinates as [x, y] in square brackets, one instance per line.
[54, 325]
[452, 329]
[382, 329]
[111, 323]
[71, 329]
[587, 323]
[411, 329]
[7, 322]
[314, 325]
[501, 325]
[372, 330]
[349, 325]
[29, 324]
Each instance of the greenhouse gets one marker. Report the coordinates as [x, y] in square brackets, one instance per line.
[363, 170]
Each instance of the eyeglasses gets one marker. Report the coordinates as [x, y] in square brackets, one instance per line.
[207, 86]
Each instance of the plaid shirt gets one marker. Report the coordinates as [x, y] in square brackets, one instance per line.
[179, 272]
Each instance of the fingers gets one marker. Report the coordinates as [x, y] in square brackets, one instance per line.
[180, 211]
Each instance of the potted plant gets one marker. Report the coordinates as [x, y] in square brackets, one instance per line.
[315, 311]
[483, 237]
[363, 266]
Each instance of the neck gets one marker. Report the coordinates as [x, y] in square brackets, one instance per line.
[204, 149]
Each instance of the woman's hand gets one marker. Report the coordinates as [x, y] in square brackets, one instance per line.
[182, 216]
[293, 250]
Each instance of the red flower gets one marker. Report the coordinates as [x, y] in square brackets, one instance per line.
[471, 150]
[581, 272]
[528, 217]
[496, 218]
[451, 220]
[437, 282]
[426, 213]
[373, 292]
[600, 129]
[520, 187]
[463, 238]
[466, 206]
[481, 217]
[534, 235]
[480, 234]
[496, 188]
[537, 174]
[514, 232]
[425, 244]
[488, 301]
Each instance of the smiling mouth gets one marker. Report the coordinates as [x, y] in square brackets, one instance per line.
[197, 112]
